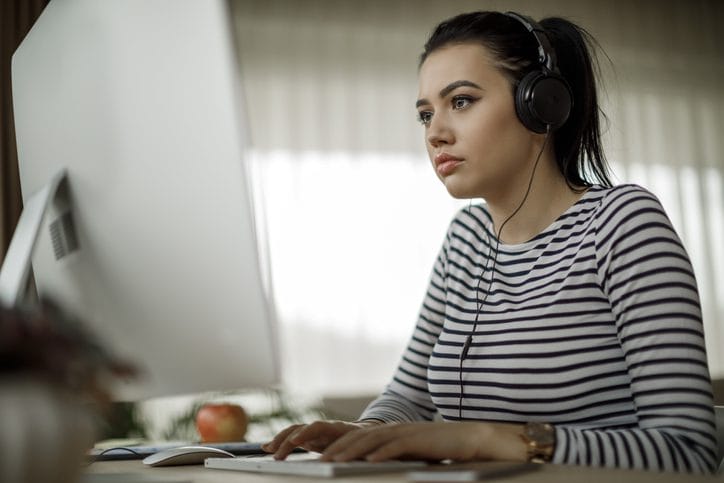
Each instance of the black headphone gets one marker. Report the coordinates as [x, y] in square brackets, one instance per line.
[543, 98]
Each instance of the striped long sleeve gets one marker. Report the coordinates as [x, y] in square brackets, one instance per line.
[594, 325]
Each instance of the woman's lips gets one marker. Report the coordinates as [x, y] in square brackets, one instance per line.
[445, 164]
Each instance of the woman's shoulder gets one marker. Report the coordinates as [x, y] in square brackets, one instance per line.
[632, 212]
[627, 191]
[628, 200]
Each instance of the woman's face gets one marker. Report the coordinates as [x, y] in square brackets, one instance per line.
[476, 143]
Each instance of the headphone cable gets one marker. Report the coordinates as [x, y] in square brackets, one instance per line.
[479, 303]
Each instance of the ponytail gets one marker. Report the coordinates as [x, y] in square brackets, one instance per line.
[577, 143]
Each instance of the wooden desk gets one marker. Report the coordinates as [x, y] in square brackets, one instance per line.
[547, 474]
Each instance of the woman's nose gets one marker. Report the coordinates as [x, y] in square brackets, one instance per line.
[439, 132]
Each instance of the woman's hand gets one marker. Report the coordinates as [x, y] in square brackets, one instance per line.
[316, 436]
[467, 441]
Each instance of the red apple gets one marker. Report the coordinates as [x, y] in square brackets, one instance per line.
[219, 423]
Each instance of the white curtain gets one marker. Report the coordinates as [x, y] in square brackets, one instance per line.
[354, 213]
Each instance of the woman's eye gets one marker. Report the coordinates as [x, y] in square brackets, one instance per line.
[424, 117]
[461, 102]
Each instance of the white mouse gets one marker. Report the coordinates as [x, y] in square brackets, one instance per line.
[185, 455]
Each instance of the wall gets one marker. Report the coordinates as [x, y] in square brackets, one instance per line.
[355, 216]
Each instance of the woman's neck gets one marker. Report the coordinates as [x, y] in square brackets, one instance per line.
[549, 197]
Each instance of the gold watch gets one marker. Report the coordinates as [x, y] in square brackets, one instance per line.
[541, 441]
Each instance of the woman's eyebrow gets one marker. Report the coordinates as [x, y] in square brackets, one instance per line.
[448, 89]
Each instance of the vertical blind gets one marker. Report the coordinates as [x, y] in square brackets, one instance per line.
[354, 213]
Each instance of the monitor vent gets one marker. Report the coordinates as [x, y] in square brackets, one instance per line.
[63, 236]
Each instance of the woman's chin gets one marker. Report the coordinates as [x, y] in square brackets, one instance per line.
[458, 189]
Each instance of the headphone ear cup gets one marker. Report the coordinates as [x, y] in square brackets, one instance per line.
[523, 94]
[542, 100]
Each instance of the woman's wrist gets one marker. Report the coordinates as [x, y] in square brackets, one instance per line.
[503, 442]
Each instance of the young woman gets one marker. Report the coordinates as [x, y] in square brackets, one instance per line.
[562, 320]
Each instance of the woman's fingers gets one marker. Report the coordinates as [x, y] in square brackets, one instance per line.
[359, 444]
[294, 439]
[274, 444]
[314, 437]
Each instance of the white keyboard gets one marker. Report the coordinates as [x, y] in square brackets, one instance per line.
[308, 464]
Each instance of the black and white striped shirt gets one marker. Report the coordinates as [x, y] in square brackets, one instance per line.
[594, 325]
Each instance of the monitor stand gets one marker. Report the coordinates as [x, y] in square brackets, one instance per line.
[15, 269]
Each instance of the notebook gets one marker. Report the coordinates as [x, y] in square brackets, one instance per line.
[308, 464]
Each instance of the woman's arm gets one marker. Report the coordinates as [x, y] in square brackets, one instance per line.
[647, 276]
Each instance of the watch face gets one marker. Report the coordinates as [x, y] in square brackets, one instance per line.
[541, 433]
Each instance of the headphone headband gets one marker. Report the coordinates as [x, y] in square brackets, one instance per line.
[546, 54]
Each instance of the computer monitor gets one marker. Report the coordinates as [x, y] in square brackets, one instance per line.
[131, 127]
